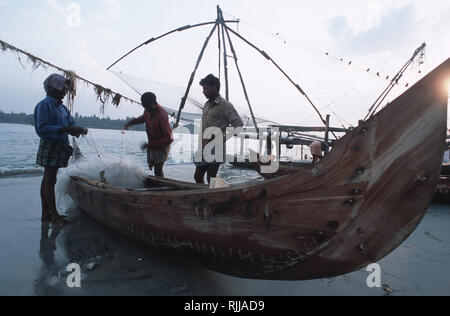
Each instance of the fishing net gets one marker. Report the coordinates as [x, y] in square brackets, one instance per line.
[169, 97]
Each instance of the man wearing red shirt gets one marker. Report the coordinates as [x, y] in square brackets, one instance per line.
[159, 132]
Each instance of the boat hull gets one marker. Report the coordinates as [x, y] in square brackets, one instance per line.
[352, 209]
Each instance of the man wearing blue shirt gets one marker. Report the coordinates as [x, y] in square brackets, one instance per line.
[53, 123]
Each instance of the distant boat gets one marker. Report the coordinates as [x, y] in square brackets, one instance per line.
[353, 208]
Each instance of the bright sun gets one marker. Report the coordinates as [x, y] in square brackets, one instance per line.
[447, 83]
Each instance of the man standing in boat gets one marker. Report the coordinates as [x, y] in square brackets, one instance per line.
[217, 113]
[159, 132]
[53, 123]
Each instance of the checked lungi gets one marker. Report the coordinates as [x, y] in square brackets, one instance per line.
[53, 154]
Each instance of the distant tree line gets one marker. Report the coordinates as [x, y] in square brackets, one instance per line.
[14, 118]
[85, 121]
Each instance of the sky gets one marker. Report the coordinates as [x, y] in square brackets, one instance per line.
[307, 39]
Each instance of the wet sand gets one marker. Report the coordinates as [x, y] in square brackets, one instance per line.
[33, 259]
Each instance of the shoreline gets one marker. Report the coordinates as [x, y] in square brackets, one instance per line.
[132, 129]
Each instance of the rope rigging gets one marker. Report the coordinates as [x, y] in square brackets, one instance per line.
[105, 95]
[153, 39]
[221, 23]
[346, 61]
[394, 81]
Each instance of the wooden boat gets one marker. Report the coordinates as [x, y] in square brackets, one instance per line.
[352, 209]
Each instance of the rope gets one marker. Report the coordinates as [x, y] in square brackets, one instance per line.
[320, 52]
[96, 149]
[342, 120]
[394, 82]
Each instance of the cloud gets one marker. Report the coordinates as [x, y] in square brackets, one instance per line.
[380, 32]
[338, 25]
[57, 7]
[115, 8]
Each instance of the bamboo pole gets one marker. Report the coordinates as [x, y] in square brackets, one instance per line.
[269, 142]
[225, 55]
[327, 133]
[191, 80]
[220, 51]
[238, 69]
[225, 65]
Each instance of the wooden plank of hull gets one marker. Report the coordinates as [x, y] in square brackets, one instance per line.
[353, 208]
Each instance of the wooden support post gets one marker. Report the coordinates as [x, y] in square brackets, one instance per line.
[225, 56]
[279, 151]
[327, 133]
[243, 140]
[220, 52]
[269, 142]
[260, 144]
[225, 66]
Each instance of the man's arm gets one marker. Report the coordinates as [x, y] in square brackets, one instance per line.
[233, 117]
[47, 130]
[234, 120]
[42, 122]
[75, 131]
[136, 121]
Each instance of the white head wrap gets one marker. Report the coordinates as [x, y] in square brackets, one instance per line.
[55, 81]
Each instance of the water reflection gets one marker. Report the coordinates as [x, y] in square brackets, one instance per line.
[48, 243]
[110, 264]
[44, 284]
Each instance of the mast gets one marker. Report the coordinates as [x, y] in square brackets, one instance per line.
[225, 56]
